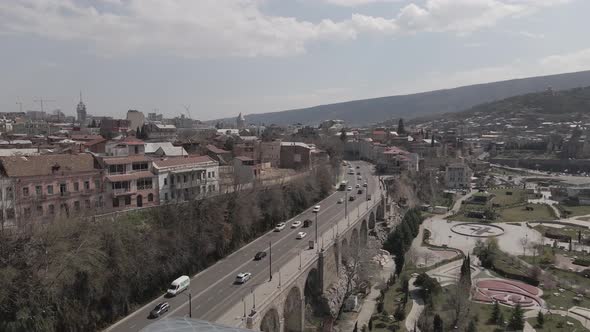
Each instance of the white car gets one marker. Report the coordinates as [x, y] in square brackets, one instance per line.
[316, 209]
[301, 235]
[295, 224]
[360, 178]
[364, 184]
[243, 277]
[341, 200]
[357, 185]
[280, 227]
[349, 188]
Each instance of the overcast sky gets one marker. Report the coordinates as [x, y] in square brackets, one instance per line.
[223, 57]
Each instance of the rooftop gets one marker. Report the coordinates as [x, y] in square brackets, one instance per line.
[180, 161]
[43, 165]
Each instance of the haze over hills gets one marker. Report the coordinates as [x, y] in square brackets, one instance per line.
[360, 112]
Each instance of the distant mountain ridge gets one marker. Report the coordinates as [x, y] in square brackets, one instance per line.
[361, 112]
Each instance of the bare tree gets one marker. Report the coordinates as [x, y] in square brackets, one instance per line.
[524, 241]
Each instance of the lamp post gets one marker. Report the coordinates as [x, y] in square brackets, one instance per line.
[316, 229]
[190, 305]
[269, 261]
[346, 203]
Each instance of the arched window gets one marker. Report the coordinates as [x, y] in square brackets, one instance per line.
[150, 197]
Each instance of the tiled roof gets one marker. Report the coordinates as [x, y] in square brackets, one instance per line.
[94, 142]
[124, 160]
[179, 161]
[85, 137]
[215, 149]
[44, 165]
[130, 176]
[130, 140]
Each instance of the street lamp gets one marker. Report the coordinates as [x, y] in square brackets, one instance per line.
[190, 305]
[316, 229]
[346, 203]
[269, 261]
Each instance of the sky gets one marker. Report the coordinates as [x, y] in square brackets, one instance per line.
[223, 57]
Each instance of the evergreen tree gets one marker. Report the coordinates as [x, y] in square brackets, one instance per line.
[355, 327]
[495, 313]
[517, 319]
[371, 324]
[472, 327]
[343, 135]
[437, 324]
[540, 319]
[399, 313]
[138, 132]
[400, 127]
[399, 264]
[500, 320]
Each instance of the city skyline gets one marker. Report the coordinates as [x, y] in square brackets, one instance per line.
[264, 56]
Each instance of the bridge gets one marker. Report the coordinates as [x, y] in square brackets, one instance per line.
[311, 279]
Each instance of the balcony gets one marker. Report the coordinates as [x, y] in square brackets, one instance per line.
[122, 191]
[64, 194]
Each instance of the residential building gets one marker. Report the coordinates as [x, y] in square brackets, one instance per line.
[246, 170]
[165, 149]
[161, 132]
[113, 127]
[247, 146]
[270, 152]
[130, 182]
[50, 186]
[129, 146]
[7, 203]
[394, 160]
[295, 155]
[186, 178]
[458, 176]
[224, 157]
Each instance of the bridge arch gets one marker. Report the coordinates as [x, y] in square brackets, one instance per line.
[381, 209]
[372, 220]
[354, 241]
[344, 251]
[313, 292]
[337, 255]
[364, 233]
[293, 311]
[271, 321]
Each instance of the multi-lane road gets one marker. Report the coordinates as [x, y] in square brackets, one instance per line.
[213, 290]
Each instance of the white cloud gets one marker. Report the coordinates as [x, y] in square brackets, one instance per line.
[203, 28]
[355, 3]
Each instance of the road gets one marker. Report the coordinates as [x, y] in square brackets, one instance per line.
[213, 291]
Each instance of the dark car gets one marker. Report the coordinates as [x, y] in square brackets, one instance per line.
[351, 198]
[358, 167]
[307, 223]
[260, 255]
[358, 173]
[160, 309]
[360, 191]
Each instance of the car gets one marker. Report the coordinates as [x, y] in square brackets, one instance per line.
[259, 255]
[365, 184]
[295, 224]
[358, 167]
[360, 178]
[349, 188]
[160, 309]
[307, 223]
[316, 209]
[351, 172]
[360, 191]
[357, 185]
[243, 277]
[301, 235]
[351, 198]
[280, 226]
[368, 197]
[341, 200]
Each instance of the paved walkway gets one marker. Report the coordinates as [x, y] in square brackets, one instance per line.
[533, 313]
[370, 302]
[417, 307]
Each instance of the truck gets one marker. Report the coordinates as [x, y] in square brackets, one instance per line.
[178, 285]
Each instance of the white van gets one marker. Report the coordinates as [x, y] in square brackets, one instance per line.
[179, 285]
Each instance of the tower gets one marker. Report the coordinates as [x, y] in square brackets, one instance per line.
[81, 111]
[241, 122]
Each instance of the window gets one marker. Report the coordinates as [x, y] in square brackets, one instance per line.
[136, 149]
[117, 169]
[140, 166]
[38, 190]
[25, 191]
[9, 193]
[193, 176]
[127, 200]
[172, 194]
[86, 185]
[51, 209]
[166, 196]
[63, 188]
[143, 184]
[27, 212]
[165, 181]
[116, 202]
[10, 213]
[39, 210]
[87, 204]
[213, 174]
[76, 186]
[172, 180]
[64, 208]
[77, 205]
[150, 197]
[124, 185]
[184, 178]
[97, 184]
[98, 203]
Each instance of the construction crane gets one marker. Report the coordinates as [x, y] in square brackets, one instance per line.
[41, 101]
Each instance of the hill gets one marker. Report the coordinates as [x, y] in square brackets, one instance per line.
[360, 112]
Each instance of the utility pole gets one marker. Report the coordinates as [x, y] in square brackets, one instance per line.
[316, 230]
[270, 260]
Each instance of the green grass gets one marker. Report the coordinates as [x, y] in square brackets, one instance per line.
[580, 210]
[565, 299]
[518, 213]
[518, 196]
[392, 299]
[553, 321]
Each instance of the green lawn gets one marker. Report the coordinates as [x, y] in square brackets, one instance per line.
[557, 323]
[581, 210]
[502, 198]
[518, 213]
[393, 297]
[565, 299]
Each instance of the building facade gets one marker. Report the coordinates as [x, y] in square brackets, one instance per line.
[186, 178]
[130, 182]
[458, 176]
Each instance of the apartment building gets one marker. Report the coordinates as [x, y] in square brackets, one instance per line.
[41, 188]
[458, 176]
[186, 178]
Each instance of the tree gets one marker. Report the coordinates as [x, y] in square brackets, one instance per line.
[400, 127]
[540, 319]
[472, 327]
[437, 324]
[516, 321]
[93, 124]
[371, 324]
[343, 135]
[355, 327]
[400, 313]
[495, 313]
